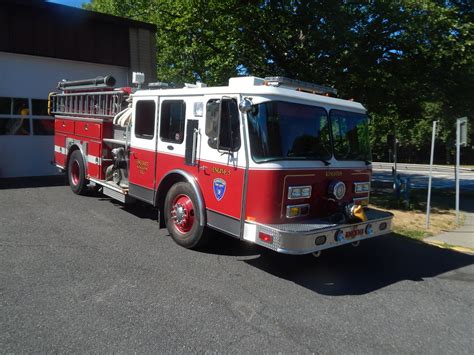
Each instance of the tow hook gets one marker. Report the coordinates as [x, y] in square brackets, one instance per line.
[356, 244]
[317, 254]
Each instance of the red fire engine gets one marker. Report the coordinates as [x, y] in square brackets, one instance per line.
[277, 162]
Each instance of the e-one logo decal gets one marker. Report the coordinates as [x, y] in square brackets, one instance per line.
[219, 186]
[354, 233]
[142, 166]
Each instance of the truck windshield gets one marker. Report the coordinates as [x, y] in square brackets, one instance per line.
[283, 130]
[350, 135]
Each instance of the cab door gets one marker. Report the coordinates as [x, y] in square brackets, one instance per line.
[222, 163]
[143, 149]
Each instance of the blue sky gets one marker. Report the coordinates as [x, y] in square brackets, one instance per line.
[75, 3]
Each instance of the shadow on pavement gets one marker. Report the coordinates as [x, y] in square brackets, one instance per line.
[221, 244]
[35, 181]
[375, 264]
[341, 271]
[138, 209]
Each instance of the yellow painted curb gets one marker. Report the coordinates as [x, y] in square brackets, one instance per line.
[443, 246]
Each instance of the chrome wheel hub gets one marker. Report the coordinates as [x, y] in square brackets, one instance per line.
[180, 213]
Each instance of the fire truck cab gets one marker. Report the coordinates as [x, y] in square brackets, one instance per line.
[273, 161]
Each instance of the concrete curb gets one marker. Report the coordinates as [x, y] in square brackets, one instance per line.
[455, 248]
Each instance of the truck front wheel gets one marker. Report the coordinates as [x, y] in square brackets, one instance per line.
[182, 215]
[76, 173]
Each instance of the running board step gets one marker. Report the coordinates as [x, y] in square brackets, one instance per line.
[117, 195]
[113, 190]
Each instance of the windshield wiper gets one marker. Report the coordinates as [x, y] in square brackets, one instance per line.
[291, 154]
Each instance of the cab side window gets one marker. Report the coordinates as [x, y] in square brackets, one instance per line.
[145, 119]
[229, 134]
[173, 117]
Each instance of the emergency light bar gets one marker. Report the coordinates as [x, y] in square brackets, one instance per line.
[281, 81]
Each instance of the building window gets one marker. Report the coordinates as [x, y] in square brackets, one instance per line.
[5, 106]
[14, 116]
[145, 119]
[39, 107]
[15, 126]
[20, 107]
[173, 116]
[43, 127]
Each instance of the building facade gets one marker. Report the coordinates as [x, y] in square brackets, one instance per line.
[42, 43]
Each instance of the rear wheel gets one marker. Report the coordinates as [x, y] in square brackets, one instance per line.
[76, 173]
[182, 215]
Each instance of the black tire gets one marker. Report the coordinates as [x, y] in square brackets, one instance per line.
[76, 173]
[181, 201]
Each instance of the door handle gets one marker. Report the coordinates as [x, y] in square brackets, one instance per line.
[170, 147]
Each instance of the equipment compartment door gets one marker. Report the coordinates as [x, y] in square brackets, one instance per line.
[143, 149]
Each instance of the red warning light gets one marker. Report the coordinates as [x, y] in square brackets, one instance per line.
[266, 238]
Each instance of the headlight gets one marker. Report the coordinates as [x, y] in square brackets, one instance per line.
[361, 187]
[295, 192]
[297, 211]
[337, 189]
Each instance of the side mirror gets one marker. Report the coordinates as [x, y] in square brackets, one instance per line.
[245, 104]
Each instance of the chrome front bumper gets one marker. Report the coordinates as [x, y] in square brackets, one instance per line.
[306, 237]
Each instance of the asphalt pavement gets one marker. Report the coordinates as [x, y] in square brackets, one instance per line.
[87, 274]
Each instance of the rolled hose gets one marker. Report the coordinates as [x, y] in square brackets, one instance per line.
[107, 80]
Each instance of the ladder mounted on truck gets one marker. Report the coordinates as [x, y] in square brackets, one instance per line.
[94, 98]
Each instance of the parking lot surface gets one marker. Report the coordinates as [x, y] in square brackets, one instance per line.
[87, 274]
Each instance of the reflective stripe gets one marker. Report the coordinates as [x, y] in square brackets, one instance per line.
[60, 150]
[94, 160]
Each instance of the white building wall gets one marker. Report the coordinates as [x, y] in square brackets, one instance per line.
[32, 77]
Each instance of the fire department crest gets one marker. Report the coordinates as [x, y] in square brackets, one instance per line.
[219, 186]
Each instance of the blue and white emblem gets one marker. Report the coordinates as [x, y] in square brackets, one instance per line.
[219, 188]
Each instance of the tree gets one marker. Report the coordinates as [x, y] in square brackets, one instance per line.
[408, 61]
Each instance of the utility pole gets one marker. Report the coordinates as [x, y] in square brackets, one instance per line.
[461, 139]
[428, 203]
[395, 152]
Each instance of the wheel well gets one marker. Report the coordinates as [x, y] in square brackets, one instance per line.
[69, 153]
[166, 184]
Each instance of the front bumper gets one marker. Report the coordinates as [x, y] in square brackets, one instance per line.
[307, 237]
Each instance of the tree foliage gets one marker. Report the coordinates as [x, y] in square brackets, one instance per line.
[408, 61]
